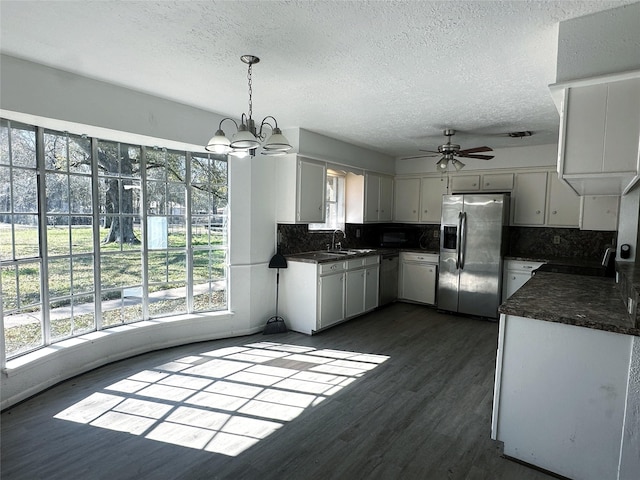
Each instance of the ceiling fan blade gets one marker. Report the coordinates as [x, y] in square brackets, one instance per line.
[432, 152]
[479, 157]
[414, 156]
[476, 150]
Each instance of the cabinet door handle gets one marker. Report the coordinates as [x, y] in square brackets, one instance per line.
[537, 212]
[555, 212]
[426, 211]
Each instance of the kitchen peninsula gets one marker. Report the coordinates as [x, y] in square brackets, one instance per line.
[567, 384]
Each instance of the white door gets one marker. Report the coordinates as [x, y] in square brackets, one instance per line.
[354, 293]
[371, 287]
[331, 299]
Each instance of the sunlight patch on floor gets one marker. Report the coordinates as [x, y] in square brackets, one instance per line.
[222, 401]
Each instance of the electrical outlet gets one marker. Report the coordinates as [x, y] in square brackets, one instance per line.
[556, 239]
[630, 306]
[357, 233]
[436, 234]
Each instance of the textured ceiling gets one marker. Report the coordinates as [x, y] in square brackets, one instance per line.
[389, 75]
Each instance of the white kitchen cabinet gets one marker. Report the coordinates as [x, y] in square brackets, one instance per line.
[314, 296]
[371, 286]
[598, 150]
[599, 212]
[560, 396]
[515, 274]
[331, 299]
[465, 183]
[529, 198]
[354, 292]
[431, 191]
[369, 198]
[407, 200]
[563, 204]
[378, 198]
[301, 190]
[497, 182]
[418, 277]
[361, 290]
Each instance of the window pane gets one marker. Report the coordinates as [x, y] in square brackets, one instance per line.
[80, 194]
[81, 235]
[22, 331]
[25, 191]
[59, 277]
[5, 191]
[23, 147]
[55, 152]
[120, 270]
[58, 236]
[79, 155]
[25, 230]
[82, 274]
[4, 143]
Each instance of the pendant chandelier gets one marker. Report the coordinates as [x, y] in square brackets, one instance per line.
[247, 138]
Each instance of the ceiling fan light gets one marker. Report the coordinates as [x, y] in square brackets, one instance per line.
[458, 164]
[244, 139]
[219, 143]
[277, 142]
[442, 164]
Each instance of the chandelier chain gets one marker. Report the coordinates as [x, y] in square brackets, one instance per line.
[250, 92]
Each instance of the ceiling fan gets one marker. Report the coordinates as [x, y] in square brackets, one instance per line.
[450, 151]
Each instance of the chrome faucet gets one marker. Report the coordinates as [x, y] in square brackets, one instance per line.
[333, 239]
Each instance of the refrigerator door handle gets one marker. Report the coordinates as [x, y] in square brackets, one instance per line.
[458, 230]
[463, 239]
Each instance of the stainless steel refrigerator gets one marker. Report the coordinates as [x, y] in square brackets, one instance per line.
[473, 239]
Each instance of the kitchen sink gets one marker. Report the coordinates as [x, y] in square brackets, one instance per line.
[350, 251]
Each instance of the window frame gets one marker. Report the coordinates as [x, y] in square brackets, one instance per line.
[217, 269]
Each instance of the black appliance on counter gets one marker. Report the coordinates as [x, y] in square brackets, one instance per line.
[399, 237]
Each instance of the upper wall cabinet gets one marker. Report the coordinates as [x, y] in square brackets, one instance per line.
[488, 182]
[529, 198]
[431, 191]
[301, 190]
[406, 207]
[369, 198]
[599, 145]
[563, 204]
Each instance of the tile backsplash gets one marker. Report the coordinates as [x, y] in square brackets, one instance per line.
[559, 242]
[538, 242]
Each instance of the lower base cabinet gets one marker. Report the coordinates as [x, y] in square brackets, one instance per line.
[315, 296]
[418, 277]
[516, 274]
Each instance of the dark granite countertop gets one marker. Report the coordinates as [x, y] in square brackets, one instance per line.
[575, 261]
[323, 256]
[585, 301]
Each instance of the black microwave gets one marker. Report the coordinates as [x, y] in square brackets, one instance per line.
[398, 237]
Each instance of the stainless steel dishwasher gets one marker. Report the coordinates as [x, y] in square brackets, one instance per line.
[388, 278]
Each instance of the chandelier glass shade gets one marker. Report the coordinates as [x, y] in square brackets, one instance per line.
[247, 137]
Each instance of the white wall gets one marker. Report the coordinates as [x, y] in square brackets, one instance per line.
[57, 99]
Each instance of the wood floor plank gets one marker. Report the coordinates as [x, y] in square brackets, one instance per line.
[423, 413]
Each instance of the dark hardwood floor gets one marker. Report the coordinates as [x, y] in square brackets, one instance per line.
[402, 393]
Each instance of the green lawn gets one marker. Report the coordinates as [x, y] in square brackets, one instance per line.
[71, 270]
